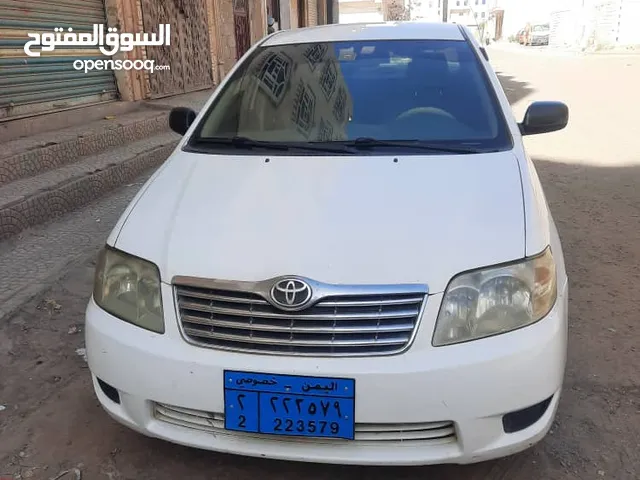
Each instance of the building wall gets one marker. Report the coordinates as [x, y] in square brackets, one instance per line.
[224, 28]
[518, 12]
[315, 9]
[356, 11]
[468, 12]
[257, 19]
[127, 16]
[312, 12]
[322, 12]
[596, 24]
[335, 11]
[361, 17]
[629, 28]
[214, 40]
[427, 10]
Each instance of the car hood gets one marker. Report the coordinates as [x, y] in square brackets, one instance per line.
[345, 219]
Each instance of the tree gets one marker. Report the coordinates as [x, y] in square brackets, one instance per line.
[399, 10]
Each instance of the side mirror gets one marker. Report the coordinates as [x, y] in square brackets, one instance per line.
[544, 117]
[180, 119]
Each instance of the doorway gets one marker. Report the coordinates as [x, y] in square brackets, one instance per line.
[241, 27]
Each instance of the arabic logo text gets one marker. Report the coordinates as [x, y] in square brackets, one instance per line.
[109, 44]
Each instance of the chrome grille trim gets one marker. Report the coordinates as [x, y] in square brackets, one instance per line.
[285, 316]
[425, 433]
[339, 320]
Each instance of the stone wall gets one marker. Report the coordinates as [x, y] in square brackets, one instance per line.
[214, 41]
[294, 14]
[226, 36]
[257, 19]
[312, 12]
[126, 16]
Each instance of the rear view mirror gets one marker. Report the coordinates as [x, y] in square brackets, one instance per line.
[544, 117]
[180, 119]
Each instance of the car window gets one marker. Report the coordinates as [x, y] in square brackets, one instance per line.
[435, 91]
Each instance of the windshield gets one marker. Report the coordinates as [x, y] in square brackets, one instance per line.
[335, 92]
[540, 28]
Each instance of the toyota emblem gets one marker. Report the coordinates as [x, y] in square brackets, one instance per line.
[291, 293]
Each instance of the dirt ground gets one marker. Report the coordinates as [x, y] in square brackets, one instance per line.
[591, 173]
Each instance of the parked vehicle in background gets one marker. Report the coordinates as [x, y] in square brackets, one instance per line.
[521, 36]
[539, 34]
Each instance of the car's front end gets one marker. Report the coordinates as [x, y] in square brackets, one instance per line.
[460, 403]
[328, 301]
[540, 35]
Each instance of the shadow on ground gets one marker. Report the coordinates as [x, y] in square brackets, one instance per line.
[514, 89]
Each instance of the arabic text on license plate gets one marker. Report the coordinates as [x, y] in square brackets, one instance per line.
[289, 405]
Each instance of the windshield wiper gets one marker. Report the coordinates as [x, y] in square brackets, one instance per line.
[249, 143]
[367, 142]
[240, 142]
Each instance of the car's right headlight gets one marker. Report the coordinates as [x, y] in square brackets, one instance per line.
[496, 300]
[128, 287]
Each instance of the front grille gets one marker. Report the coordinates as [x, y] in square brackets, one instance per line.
[430, 433]
[365, 321]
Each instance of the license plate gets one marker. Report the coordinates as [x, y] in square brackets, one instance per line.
[289, 405]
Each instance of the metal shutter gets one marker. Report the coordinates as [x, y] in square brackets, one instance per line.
[32, 85]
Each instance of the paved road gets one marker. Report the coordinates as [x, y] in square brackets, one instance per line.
[590, 172]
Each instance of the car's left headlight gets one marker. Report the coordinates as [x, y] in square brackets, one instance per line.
[496, 300]
[128, 287]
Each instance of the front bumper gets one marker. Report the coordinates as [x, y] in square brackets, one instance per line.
[172, 390]
[540, 41]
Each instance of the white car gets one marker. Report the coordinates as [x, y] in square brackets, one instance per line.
[347, 259]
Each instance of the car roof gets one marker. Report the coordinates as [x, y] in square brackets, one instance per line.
[367, 31]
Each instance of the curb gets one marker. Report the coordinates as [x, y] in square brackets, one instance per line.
[69, 196]
[37, 160]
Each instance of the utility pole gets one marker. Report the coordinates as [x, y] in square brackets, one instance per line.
[445, 10]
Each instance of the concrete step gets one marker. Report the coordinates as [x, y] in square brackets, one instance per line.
[54, 192]
[30, 156]
[39, 256]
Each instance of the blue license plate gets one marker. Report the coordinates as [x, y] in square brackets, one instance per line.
[289, 405]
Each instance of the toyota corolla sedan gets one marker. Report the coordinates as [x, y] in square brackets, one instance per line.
[348, 259]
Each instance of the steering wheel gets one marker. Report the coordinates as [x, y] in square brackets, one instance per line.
[412, 112]
[409, 124]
